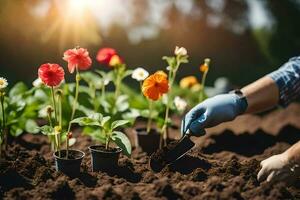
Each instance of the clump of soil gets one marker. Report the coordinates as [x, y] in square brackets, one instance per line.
[223, 172]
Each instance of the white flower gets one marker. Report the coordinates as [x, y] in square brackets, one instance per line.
[43, 112]
[37, 82]
[139, 74]
[3, 83]
[180, 51]
[180, 103]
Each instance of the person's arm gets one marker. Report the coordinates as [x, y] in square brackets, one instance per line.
[281, 167]
[279, 87]
[261, 95]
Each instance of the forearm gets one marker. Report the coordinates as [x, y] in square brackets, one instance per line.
[293, 153]
[261, 95]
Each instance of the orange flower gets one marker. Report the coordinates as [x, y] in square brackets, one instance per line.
[188, 82]
[205, 67]
[155, 85]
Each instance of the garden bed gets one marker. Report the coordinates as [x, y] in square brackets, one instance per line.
[224, 165]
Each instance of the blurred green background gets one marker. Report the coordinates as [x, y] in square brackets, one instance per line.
[244, 38]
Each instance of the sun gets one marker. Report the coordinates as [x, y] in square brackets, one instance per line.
[74, 24]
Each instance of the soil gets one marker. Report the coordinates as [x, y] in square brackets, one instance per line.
[103, 149]
[72, 155]
[223, 165]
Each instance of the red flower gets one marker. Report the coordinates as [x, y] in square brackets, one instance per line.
[108, 56]
[51, 74]
[77, 57]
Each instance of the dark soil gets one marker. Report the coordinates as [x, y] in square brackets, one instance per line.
[103, 149]
[223, 165]
[71, 155]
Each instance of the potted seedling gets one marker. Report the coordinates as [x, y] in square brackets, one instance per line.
[147, 137]
[66, 160]
[52, 76]
[160, 83]
[105, 156]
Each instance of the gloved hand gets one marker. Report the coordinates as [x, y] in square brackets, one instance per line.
[278, 168]
[213, 111]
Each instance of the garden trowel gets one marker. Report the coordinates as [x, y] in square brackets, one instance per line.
[171, 153]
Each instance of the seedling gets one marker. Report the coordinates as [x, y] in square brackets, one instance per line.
[173, 65]
[107, 131]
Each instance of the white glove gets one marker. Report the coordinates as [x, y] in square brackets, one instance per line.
[278, 168]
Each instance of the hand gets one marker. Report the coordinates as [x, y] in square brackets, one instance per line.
[211, 112]
[278, 168]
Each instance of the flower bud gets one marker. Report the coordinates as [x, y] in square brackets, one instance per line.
[49, 109]
[59, 92]
[70, 135]
[207, 61]
[180, 51]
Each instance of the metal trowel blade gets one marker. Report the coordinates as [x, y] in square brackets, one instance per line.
[184, 145]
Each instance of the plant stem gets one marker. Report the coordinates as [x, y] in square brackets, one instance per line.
[107, 142]
[117, 83]
[201, 96]
[172, 75]
[73, 109]
[150, 116]
[103, 91]
[3, 123]
[54, 104]
[4, 133]
[56, 118]
[50, 137]
[59, 121]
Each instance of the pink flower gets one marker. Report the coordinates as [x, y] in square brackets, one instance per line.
[51, 74]
[104, 55]
[77, 57]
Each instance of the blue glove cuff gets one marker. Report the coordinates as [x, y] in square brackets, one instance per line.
[241, 101]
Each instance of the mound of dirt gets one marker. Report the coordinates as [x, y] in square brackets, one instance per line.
[224, 166]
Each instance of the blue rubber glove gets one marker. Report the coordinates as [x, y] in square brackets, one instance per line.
[213, 111]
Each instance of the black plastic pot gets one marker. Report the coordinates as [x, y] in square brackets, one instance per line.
[71, 165]
[149, 142]
[104, 160]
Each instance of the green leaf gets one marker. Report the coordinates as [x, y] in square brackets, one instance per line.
[46, 130]
[118, 123]
[105, 120]
[17, 89]
[92, 79]
[122, 141]
[31, 126]
[15, 130]
[96, 116]
[85, 121]
[122, 103]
